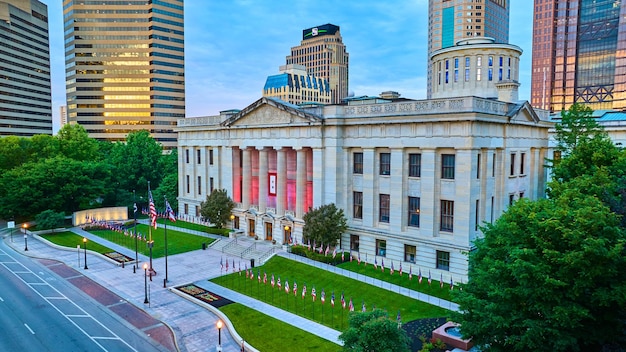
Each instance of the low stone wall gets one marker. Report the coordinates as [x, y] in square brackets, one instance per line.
[107, 214]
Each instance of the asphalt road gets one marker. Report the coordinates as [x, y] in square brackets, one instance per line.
[41, 312]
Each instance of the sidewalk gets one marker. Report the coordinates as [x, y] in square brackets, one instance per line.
[193, 324]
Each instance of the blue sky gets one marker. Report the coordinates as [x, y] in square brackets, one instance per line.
[231, 46]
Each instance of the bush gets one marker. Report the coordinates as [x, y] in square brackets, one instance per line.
[304, 251]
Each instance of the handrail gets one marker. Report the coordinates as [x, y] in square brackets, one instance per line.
[230, 244]
[266, 255]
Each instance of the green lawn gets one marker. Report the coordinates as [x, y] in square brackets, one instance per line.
[70, 239]
[256, 327]
[194, 226]
[177, 242]
[434, 289]
[336, 318]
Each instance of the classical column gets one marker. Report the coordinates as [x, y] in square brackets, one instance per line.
[262, 179]
[300, 182]
[247, 178]
[318, 177]
[281, 183]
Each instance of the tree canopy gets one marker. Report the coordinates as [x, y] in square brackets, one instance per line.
[324, 224]
[217, 208]
[374, 331]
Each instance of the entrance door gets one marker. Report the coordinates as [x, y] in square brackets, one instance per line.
[268, 231]
[251, 226]
[287, 235]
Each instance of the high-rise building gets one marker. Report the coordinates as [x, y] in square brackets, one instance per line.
[25, 93]
[323, 53]
[125, 67]
[293, 85]
[579, 54]
[452, 21]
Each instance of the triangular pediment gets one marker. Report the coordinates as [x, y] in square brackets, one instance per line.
[271, 113]
[523, 113]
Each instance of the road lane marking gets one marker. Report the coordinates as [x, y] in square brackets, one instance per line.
[29, 329]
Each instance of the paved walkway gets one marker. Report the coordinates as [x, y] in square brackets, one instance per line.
[193, 324]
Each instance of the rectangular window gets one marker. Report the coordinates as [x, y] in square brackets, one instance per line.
[236, 222]
[512, 164]
[443, 260]
[187, 183]
[199, 185]
[499, 74]
[467, 75]
[511, 199]
[447, 76]
[414, 212]
[490, 74]
[409, 253]
[492, 209]
[477, 218]
[522, 157]
[198, 156]
[456, 62]
[490, 59]
[357, 200]
[211, 185]
[197, 210]
[210, 156]
[187, 156]
[500, 60]
[479, 61]
[383, 214]
[493, 165]
[447, 166]
[385, 163]
[521, 195]
[354, 242]
[381, 248]
[478, 74]
[186, 209]
[478, 165]
[467, 62]
[447, 216]
[415, 165]
[357, 163]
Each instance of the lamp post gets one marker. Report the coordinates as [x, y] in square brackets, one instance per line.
[145, 283]
[232, 220]
[287, 234]
[85, 243]
[219, 334]
[25, 226]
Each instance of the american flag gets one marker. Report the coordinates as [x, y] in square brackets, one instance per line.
[272, 282]
[419, 276]
[303, 291]
[152, 213]
[451, 284]
[226, 265]
[410, 273]
[323, 298]
[295, 288]
[286, 286]
[430, 280]
[169, 212]
[391, 271]
[351, 305]
[334, 252]
[441, 281]
[313, 294]
[343, 301]
[332, 299]
[375, 263]
[278, 283]
[264, 277]
[400, 271]
[363, 309]
[382, 264]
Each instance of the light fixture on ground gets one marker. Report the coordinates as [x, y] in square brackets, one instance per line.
[25, 226]
[85, 247]
[145, 283]
[219, 334]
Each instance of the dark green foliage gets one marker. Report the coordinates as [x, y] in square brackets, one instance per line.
[324, 224]
[305, 252]
[49, 219]
[136, 163]
[374, 331]
[217, 208]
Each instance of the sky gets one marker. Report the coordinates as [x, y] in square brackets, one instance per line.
[232, 46]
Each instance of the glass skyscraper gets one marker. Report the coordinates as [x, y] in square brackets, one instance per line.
[125, 67]
[452, 20]
[25, 94]
[579, 54]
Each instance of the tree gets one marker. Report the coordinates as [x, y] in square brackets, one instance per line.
[324, 224]
[136, 163]
[217, 208]
[576, 125]
[374, 331]
[49, 219]
[75, 143]
[547, 276]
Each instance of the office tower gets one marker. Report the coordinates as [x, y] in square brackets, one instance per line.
[25, 94]
[323, 53]
[579, 54]
[450, 21]
[295, 86]
[125, 67]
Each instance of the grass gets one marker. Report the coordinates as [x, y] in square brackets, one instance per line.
[434, 289]
[177, 242]
[70, 239]
[336, 318]
[257, 327]
[196, 227]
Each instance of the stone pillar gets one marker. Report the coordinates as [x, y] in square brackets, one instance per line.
[263, 179]
[247, 178]
[300, 182]
[281, 182]
[318, 177]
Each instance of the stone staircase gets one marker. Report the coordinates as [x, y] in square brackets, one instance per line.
[247, 248]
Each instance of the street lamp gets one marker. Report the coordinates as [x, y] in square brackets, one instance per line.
[232, 220]
[145, 283]
[25, 237]
[288, 234]
[219, 334]
[85, 243]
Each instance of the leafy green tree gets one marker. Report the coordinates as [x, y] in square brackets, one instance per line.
[324, 224]
[217, 208]
[576, 125]
[169, 189]
[547, 276]
[75, 143]
[374, 331]
[49, 219]
[136, 163]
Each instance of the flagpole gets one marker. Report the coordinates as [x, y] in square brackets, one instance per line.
[165, 230]
[150, 243]
[135, 229]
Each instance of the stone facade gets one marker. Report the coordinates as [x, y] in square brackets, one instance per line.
[415, 178]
